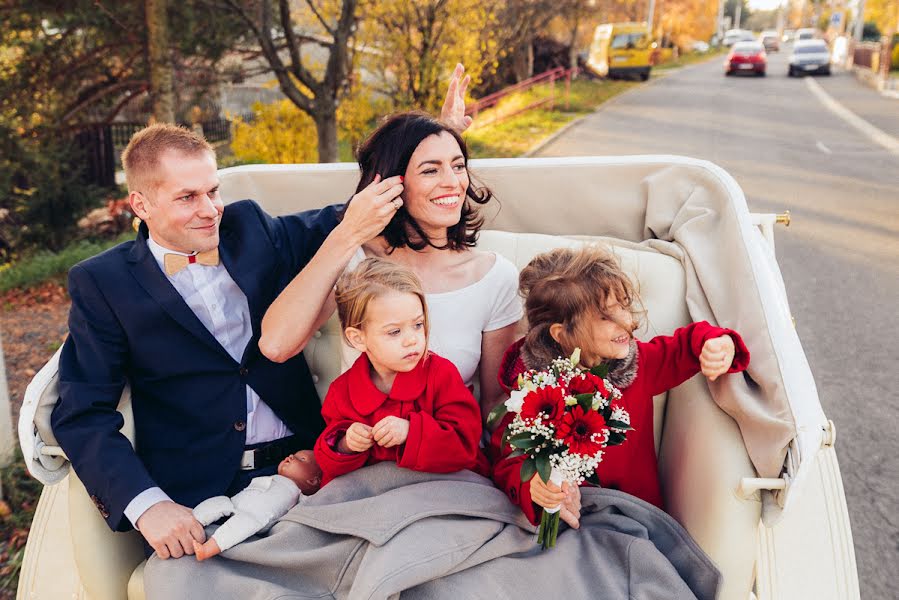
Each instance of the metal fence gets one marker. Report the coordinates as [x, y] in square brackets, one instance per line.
[549, 77]
[102, 145]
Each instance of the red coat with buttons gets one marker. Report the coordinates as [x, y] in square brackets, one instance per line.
[444, 420]
[662, 363]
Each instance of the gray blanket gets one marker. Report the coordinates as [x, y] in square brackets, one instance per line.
[382, 531]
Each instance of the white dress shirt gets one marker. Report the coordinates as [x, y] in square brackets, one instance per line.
[221, 306]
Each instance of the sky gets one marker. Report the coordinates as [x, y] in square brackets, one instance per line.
[764, 4]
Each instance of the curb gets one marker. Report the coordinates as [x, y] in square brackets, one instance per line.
[876, 135]
[558, 133]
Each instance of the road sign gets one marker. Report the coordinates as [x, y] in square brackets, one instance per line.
[836, 19]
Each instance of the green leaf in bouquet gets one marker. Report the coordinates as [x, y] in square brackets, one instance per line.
[496, 415]
[524, 440]
[543, 466]
[593, 479]
[516, 453]
[618, 424]
[615, 438]
[601, 370]
[528, 468]
[585, 401]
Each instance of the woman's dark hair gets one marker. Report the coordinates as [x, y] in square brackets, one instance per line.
[387, 152]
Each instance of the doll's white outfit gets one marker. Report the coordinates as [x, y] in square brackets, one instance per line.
[252, 510]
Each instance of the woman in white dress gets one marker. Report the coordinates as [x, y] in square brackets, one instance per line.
[419, 166]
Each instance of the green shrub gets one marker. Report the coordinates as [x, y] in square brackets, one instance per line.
[43, 266]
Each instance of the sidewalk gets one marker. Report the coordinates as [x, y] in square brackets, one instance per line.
[875, 108]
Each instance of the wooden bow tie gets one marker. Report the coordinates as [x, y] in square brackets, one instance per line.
[176, 262]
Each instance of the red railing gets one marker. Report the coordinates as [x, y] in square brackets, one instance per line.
[547, 77]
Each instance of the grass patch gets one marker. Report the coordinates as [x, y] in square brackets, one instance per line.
[43, 266]
[20, 495]
[515, 135]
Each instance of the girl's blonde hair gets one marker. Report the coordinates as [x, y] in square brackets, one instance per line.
[374, 277]
[570, 286]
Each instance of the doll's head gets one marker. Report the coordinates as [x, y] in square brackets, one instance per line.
[578, 298]
[383, 313]
[302, 468]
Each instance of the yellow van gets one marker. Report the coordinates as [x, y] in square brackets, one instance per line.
[621, 49]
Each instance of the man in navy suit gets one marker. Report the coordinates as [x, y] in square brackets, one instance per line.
[176, 313]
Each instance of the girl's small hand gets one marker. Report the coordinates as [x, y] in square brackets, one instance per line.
[358, 438]
[717, 356]
[547, 495]
[571, 507]
[390, 431]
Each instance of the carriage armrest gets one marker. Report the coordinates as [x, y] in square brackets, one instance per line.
[45, 460]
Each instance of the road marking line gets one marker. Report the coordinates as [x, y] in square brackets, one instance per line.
[876, 135]
[823, 148]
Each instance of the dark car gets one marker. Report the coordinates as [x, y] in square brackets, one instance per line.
[809, 56]
[746, 57]
[770, 39]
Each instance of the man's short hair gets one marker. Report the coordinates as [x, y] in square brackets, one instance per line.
[141, 158]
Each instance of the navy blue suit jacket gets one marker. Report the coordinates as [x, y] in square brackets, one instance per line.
[127, 322]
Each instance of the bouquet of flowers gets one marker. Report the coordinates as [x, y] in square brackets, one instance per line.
[564, 418]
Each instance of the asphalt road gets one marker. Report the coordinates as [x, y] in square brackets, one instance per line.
[840, 257]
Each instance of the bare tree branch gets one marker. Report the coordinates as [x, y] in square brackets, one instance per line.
[318, 16]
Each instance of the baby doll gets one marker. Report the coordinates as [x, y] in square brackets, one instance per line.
[256, 508]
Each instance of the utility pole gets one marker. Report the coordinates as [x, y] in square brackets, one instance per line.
[652, 11]
[859, 21]
[720, 29]
[737, 15]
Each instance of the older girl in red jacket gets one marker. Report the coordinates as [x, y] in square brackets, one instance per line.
[580, 298]
[398, 402]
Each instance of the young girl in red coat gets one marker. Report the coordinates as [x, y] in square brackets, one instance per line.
[580, 298]
[398, 402]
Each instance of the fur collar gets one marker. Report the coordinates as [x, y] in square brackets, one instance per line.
[622, 371]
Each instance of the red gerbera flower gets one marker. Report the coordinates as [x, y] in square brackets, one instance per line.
[550, 401]
[587, 383]
[582, 431]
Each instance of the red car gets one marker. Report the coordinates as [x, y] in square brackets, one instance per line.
[746, 57]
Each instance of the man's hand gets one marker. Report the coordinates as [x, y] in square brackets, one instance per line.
[170, 529]
[717, 356]
[371, 210]
[358, 438]
[390, 431]
[453, 111]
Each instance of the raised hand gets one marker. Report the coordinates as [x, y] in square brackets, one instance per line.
[170, 529]
[390, 431]
[453, 111]
[371, 210]
[717, 356]
[358, 438]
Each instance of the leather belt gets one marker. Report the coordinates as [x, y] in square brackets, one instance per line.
[269, 454]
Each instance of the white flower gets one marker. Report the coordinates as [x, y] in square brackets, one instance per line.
[570, 400]
[516, 401]
[575, 358]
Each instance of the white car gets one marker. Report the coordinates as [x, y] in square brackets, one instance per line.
[699, 46]
[732, 36]
[806, 33]
[809, 57]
